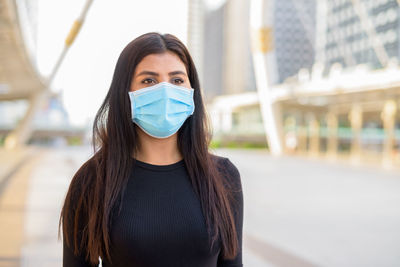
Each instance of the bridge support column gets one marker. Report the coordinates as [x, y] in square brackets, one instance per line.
[20, 135]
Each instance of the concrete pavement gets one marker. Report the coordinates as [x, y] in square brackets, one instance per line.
[298, 212]
[30, 207]
[317, 213]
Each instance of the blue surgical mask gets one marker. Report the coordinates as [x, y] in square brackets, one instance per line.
[160, 110]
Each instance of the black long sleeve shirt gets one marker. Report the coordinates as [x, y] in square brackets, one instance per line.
[161, 223]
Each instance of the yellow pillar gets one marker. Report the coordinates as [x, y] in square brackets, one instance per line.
[313, 125]
[388, 116]
[332, 138]
[356, 121]
[302, 137]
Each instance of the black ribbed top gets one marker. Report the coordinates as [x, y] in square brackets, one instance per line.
[161, 223]
[160, 168]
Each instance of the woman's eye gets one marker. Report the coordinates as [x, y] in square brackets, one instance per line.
[148, 81]
[178, 81]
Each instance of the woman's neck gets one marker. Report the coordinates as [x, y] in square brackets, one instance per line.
[158, 151]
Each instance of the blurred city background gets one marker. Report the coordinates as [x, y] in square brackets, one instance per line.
[303, 96]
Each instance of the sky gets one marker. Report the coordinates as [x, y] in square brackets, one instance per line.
[86, 72]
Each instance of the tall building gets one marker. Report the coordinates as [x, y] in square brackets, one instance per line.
[294, 32]
[237, 64]
[353, 32]
[213, 52]
[228, 67]
[195, 41]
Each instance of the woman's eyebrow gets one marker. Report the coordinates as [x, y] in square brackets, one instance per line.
[176, 73]
[146, 72]
[152, 73]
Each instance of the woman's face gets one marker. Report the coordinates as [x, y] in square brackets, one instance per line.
[156, 68]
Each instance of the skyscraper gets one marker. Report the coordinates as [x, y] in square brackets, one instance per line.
[294, 33]
[228, 66]
[213, 52]
[353, 32]
[227, 56]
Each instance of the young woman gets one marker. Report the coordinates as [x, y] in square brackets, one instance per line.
[152, 195]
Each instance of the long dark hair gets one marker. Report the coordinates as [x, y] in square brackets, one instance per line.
[97, 188]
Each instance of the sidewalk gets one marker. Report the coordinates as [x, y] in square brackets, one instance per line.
[318, 213]
[30, 205]
[297, 211]
[10, 161]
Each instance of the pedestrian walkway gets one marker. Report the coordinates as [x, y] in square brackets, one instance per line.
[309, 212]
[14, 188]
[298, 212]
[10, 161]
[30, 207]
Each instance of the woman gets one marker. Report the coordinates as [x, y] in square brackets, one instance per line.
[152, 195]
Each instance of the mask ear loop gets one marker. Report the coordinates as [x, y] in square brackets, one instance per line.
[132, 103]
[193, 109]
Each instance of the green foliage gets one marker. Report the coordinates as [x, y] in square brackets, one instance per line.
[74, 141]
[216, 143]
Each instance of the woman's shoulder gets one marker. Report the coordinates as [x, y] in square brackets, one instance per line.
[82, 179]
[224, 163]
[227, 167]
[231, 179]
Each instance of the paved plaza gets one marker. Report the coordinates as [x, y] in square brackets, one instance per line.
[298, 211]
[303, 212]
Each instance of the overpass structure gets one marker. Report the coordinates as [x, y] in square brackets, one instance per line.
[19, 75]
